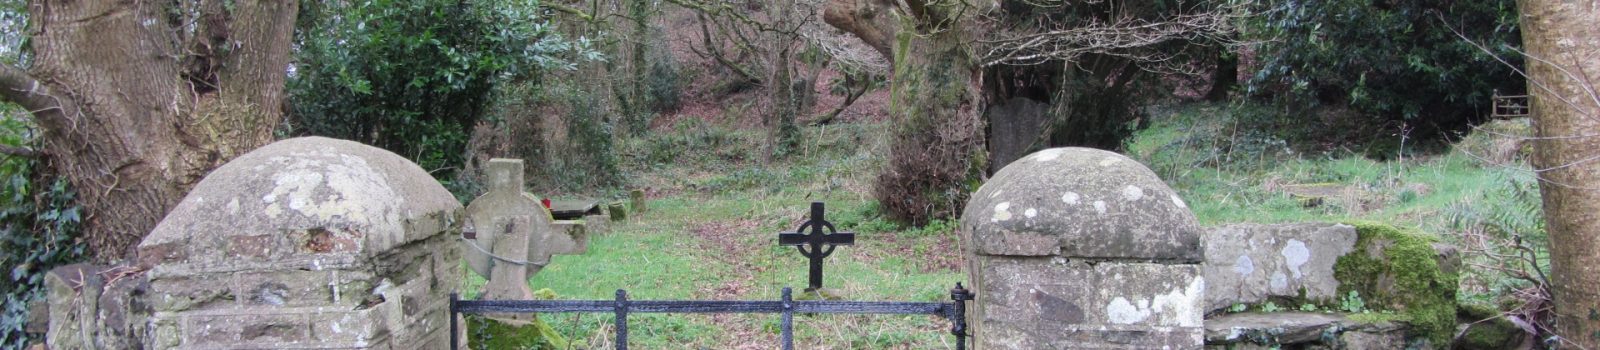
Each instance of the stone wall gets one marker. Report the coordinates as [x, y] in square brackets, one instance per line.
[1403, 277]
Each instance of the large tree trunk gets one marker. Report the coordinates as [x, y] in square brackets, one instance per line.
[1562, 39]
[938, 138]
[136, 106]
[937, 145]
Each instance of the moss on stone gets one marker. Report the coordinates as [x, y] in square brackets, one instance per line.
[485, 333]
[1378, 317]
[1493, 334]
[1395, 269]
[1486, 328]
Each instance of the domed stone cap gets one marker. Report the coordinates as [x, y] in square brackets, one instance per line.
[1080, 203]
[308, 202]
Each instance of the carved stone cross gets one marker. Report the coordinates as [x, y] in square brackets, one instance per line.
[509, 238]
[821, 244]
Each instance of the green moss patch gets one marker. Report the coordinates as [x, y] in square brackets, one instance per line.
[486, 333]
[1396, 270]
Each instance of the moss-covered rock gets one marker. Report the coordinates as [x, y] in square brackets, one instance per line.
[1485, 329]
[1399, 270]
[485, 333]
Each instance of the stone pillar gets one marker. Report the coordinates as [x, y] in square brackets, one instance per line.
[307, 243]
[1080, 248]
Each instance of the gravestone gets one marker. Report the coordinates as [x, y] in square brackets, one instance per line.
[816, 244]
[1015, 125]
[305, 243]
[573, 215]
[636, 202]
[1083, 248]
[513, 238]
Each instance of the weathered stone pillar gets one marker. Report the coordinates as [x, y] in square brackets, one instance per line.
[1074, 248]
[307, 243]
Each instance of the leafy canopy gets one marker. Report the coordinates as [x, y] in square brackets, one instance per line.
[414, 77]
[1390, 60]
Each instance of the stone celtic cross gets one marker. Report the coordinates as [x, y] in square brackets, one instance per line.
[511, 237]
[820, 244]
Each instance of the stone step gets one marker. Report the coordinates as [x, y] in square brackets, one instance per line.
[1312, 330]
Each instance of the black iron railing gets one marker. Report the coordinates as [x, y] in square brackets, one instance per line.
[955, 310]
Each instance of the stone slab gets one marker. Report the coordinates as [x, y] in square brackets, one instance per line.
[1054, 302]
[1301, 329]
[1252, 263]
[573, 209]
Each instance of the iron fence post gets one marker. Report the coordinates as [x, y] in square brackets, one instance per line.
[622, 319]
[455, 336]
[958, 326]
[788, 319]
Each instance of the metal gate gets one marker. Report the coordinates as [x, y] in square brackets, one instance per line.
[955, 310]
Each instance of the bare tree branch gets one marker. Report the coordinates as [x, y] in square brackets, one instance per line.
[868, 20]
[716, 53]
[1121, 37]
[18, 87]
[18, 151]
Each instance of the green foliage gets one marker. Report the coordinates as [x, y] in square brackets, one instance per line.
[1508, 221]
[933, 228]
[1352, 303]
[414, 77]
[591, 160]
[664, 83]
[1392, 61]
[1238, 307]
[1227, 173]
[1270, 307]
[695, 141]
[39, 228]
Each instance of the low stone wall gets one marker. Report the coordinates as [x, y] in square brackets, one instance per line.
[1406, 278]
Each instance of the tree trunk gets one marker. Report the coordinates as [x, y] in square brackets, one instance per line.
[135, 107]
[1562, 39]
[937, 145]
[938, 137]
[780, 92]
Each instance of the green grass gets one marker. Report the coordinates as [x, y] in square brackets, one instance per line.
[712, 235]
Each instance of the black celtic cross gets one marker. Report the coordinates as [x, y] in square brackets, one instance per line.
[815, 241]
